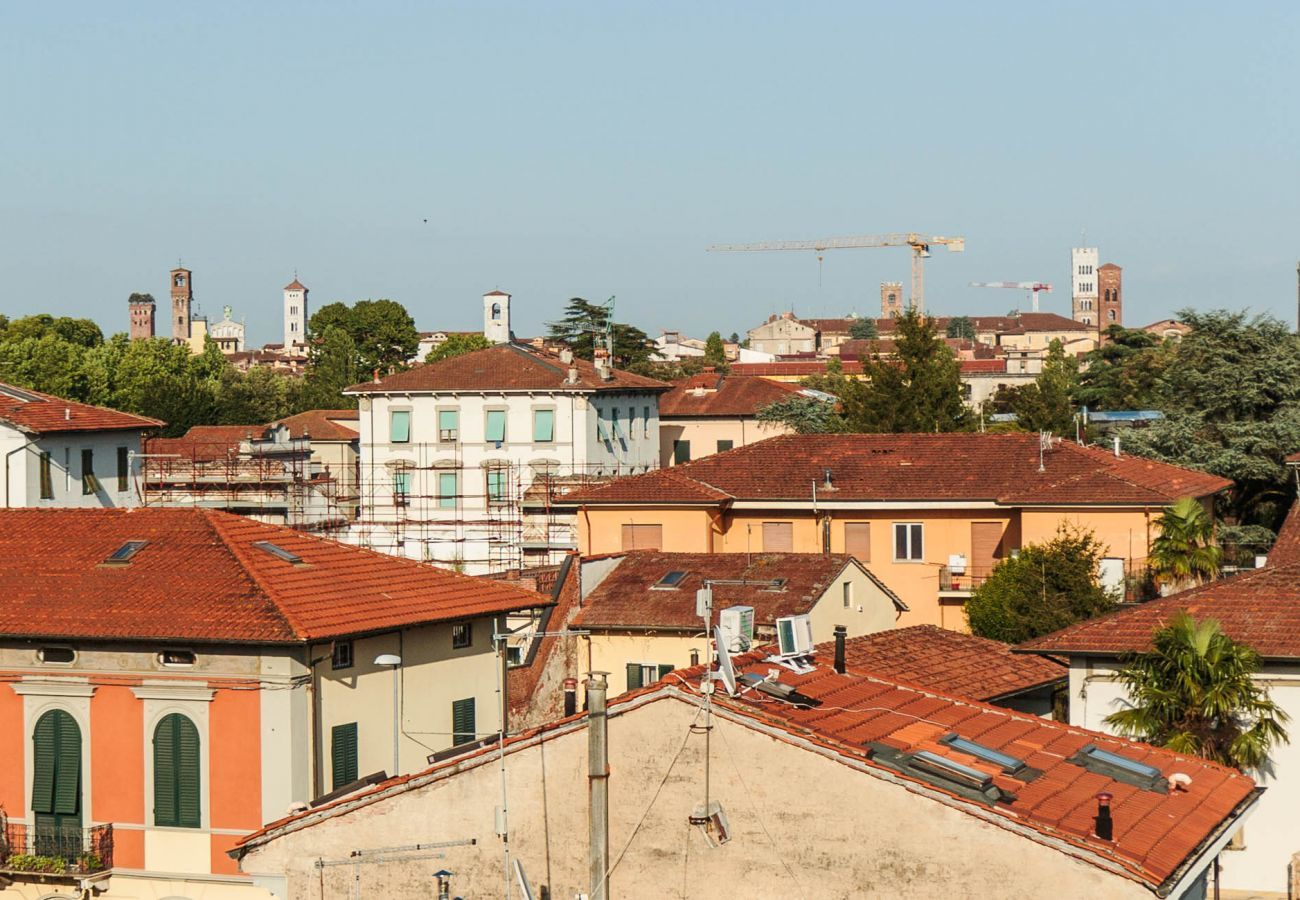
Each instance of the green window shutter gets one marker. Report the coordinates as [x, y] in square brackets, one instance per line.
[447, 490]
[188, 814]
[67, 762]
[164, 773]
[463, 726]
[343, 750]
[43, 753]
[496, 426]
[633, 676]
[664, 670]
[544, 425]
[724, 446]
[399, 426]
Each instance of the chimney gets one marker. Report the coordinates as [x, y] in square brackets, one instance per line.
[566, 356]
[1104, 826]
[598, 787]
[444, 884]
[572, 376]
[827, 481]
[1117, 446]
[840, 633]
[67, 414]
[376, 376]
[570, 696]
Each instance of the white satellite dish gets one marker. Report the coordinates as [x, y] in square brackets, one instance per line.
[522, 879]
[725, 670]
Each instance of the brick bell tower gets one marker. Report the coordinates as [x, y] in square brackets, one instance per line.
[182, 296]
[142, 309]
[1110, 292]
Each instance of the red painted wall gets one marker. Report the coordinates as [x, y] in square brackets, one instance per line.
[117, 768]
[13, 786]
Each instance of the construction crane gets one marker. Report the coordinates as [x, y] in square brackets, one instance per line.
[1032, 286]
[919, 243]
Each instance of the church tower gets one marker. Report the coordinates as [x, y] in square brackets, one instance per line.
[295, 313]
[496, 317]
[182, 298]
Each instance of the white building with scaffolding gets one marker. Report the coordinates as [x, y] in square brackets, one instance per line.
[466, 461]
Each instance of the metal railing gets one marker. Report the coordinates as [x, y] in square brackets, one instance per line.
[56, 850]
[967, 579]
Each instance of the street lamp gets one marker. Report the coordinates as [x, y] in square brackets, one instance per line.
[395, 662]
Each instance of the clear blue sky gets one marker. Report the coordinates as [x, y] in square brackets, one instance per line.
[561, 149]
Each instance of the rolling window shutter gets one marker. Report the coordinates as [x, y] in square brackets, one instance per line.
[463, 726]
[164, 773]
[857, 540]
[633, 676]
[67, 781]
[778, 537]
[664, 670]
[343, 752]
[188, 814]
[43, 764]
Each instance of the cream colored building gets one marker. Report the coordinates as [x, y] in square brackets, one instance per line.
[335, 436]
[783, 335]
[713, 413]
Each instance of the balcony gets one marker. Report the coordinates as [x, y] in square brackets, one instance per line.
[50, 853]
[957, 584]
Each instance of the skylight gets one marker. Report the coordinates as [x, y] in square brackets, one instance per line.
[1121, 768]
[671, 579]
[279, 552]
[1009, 764]
[951, 769]
[776, 584]
[122, 555]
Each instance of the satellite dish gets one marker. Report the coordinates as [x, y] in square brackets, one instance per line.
[524, 889]
[725, 670]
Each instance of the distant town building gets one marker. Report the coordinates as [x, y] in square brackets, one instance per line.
[143, 309]
[712, 413]
[496, 317]
[182, 292]
[1083, 285]
[891, 299]
[1110, 288]
[295, 313]
[1168, 329]
[228, 334]
[672, 347]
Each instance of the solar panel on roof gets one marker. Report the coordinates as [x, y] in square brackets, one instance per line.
[279, 552]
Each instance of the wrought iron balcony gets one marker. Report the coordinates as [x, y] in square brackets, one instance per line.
[45, 850]
[963, 581]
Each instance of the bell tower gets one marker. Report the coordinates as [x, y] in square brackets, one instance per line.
[182, 297]
[295, 313]
[496, 317]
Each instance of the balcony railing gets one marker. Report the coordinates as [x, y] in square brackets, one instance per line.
[55, 850]
[963, 581]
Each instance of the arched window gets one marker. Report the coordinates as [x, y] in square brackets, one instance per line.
[176, 773]
[56, 777]
[1110, 314]
[496, 311]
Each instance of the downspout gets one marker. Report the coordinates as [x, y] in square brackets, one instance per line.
[598, 781]
[31, 443]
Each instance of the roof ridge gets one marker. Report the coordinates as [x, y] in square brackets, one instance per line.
[535, 357]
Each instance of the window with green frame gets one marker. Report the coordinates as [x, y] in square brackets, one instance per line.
[448, 425]
[401, 487]
[343, 754]
[399, 426]
[543, 426]
[463, 726]
[495, 426]
[448, 488]
[176, 797]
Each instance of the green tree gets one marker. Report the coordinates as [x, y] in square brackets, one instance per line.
[961, 327]
[382, 330]
[1046, 404]
[864, 329]
[1044, 589]
[715, 354]
[805, 415]
[1195, 693]
[582, 329]
[1183, 554]
[457, 345]
[251, 398]
[918, 389]
[1124, 372]
[47, 363]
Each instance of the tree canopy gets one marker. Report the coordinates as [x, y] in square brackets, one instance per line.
[1183, 553]
[864, 329]
[1046, 404]
[715, 353]
[961, 327]
[457, 345]
[582, 329]
[917, 389]
[382, 331]
[1043, 589]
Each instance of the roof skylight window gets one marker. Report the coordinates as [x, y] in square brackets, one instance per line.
[671, 580]
[951, 769]
[1121, 768]
[1009, 764]
[279, 552]
[122, 555]
[776, 584]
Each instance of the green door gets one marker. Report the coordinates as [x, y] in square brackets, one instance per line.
[56, 785]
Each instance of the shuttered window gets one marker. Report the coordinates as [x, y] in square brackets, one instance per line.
[778, 537]
[47, 482]
[448, 488]
[495, 426]
[343, 754]
[56, 768]
[399, 426]
[176, 773]
[857, 540]
[463, 726]
[123, 468]
[89, 484]
[724, 446]
[643, 537]
[544, 425]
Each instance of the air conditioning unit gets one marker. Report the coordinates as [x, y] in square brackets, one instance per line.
[794, 635]
[957, 564]
[737, 624]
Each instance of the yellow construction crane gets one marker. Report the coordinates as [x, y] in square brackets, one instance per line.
[919, 243]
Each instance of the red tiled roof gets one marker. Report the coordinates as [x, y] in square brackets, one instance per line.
[324, 424]
[947, 661]
[1000, 468]
[32, 412]
[200, 579]
[627, 596]
[1155, 834]
[205, 443]
[712, 394]
[789, 368]
[522, 681]
[983, 366]
[1286, 549]
[1260, 608]
[505, 367]
[295, 285]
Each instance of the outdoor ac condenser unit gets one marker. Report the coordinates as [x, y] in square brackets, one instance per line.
[737, 623]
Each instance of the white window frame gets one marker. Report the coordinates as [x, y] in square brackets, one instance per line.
[914, 554]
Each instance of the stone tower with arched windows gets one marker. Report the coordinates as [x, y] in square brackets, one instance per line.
[1083, 285]
[295, 313]
[496, 317]
[182, 282]
[891, 299]
[1110, 293]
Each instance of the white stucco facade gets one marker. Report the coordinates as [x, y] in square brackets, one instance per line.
[67, 484]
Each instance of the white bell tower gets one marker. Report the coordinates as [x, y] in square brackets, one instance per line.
[295, 313]
[496, 317]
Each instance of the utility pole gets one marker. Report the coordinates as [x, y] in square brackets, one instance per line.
[598, 787]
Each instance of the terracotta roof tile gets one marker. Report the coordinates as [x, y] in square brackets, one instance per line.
[1286, 549]
[35, 413]
[712, 394]
[205, 443]
[506, 367]
[324, 424]
[894, 467]
[201, 579]
[941, 660]
[1260, 608]
[295, 285]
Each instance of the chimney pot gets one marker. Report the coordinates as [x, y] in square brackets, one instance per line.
[570, 696]
[840, 634]
[1104, 826]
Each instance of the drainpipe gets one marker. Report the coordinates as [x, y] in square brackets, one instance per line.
[7, 455]
[598, 786]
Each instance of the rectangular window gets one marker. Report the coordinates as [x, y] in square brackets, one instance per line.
[341, 658]
[448, 425]
[857, 540]
[848, 594]
[47, 481]
[602, 430]
[778, 537]
[496, 486]
[123, 469]
[645, 419]
[462, 636]
[909, 543]
[631, 421]
[614, 424]
[401, 488]
[681, 452]
[88, 483]
[399, 426]
[724, 446]
[343, 754]
[495, 426]
[448, 488]
[463, 726]
[643, 537]
[543, 425]
[642, 674]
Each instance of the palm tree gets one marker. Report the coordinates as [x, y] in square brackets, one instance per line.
[1184, 553]
[1194, 693]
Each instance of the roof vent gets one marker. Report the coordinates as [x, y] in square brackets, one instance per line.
[1103, 825]
[279, 552]
[572, 377]
[828, 481]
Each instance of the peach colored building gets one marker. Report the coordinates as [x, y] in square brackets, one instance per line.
[930, 514]
[713, 413]
[172, 679]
